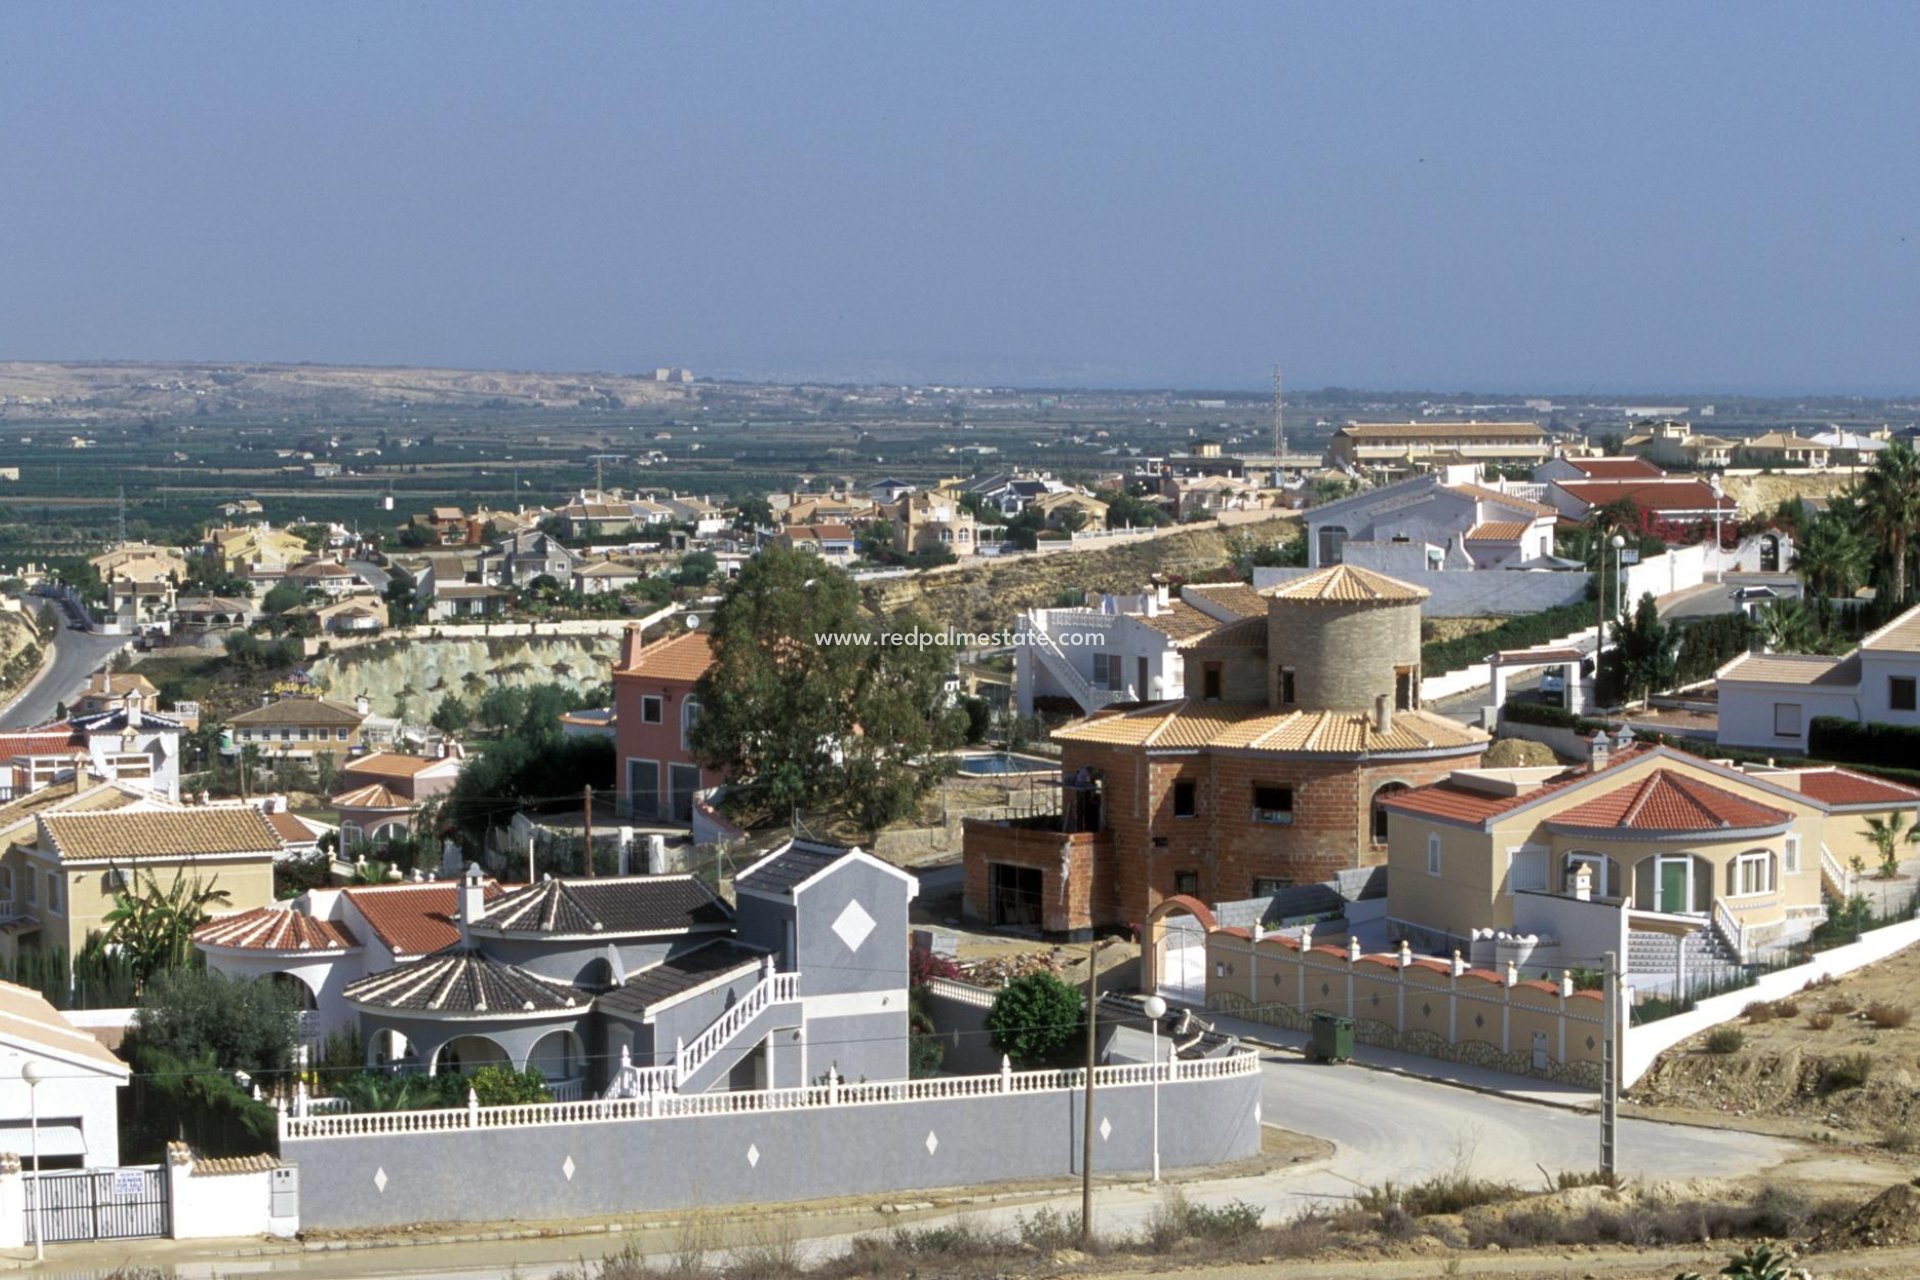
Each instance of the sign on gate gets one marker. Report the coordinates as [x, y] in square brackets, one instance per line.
[128, 1183]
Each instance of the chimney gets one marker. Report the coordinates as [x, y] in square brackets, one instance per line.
[1598, 751]
[361, 704]
[266, 698]
[133, 711]
[1382, 714]
[630, 646]
[472, 904]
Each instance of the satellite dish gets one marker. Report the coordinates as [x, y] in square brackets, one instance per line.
[693, 620]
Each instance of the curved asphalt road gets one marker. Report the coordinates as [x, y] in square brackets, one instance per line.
[76, 654]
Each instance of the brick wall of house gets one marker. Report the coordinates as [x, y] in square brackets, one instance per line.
[1088, 861]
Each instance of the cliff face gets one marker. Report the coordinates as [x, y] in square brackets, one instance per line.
[431, 669]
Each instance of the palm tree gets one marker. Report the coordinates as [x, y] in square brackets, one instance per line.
[1889, 496]
[153, 927]
[1831, 558]
[1787, 626]
[1887, 835]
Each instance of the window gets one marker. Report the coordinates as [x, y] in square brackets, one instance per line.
[6, 882]
[1527, 870]
[306, 734]
[33, 887]
[1210, 682]
[286, 735]
[1379, 811]
[1751, 873]
[683, 782]
[340, 735]
[1286, 686]
[643, 787]
[1268, 886]
[53, 891]
[649, 710]
[1333, 540]
[1903, 693]
[1184, 797]
[1786, 719]
[1433, 855]
[689, 715]
[1607, 880]
[1273, 804]
[1187, 882]
[350, 835]
[1791, 863]
[1107, 671]
[1406, 688]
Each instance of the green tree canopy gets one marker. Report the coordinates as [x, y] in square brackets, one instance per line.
[1036, 1020]
[247, 1024]
[153, 926]
[806, 705]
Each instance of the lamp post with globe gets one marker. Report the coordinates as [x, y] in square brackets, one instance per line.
[33, 1073]
[1155, 1008]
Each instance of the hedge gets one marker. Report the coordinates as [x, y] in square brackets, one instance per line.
[1530, 631]
[1836, 738]
[1710, 643]
[195, 1102]
[1560, 718]
[1551, 717]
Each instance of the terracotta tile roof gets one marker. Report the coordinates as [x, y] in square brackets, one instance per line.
[1498, 531]
[610, 569]
[1178, 621]
[1845, 787]
[1616, 468]
[390, 764]
[375, 795]
[1237, 597]
[1241, 633]
[1667, 801]
[463, 981]
[617, 905]
[680, 974]
[1442, 430]
[275, 928]
[38, 742]
[1901, 635]
[685, 657]
[1512, 501]
[1192, 726]
[412, 919]
[291, 829]
[227, 1166]
[1648, 495]
[1793, 669]
[1781, 440]
[1346, 584]
[1451, 800]
[300, 710]
[160, 833]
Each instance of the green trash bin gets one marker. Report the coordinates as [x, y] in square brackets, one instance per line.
[1332, 1037]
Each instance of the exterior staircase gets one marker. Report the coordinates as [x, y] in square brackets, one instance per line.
[771, 1005]
[1090, 696]
[1706, 952]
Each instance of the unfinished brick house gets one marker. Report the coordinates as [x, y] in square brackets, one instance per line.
[1266, 774]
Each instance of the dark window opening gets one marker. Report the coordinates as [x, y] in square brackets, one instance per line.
[1185, 796]
[1268, 886]
[1286, 686]
[1903, 694]
[1187, 882]
[1405, 689]
[1210, 682]
[1273, 804]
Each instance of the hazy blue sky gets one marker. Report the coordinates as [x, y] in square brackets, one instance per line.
[1545, 196]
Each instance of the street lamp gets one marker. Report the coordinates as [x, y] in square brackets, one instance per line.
[1619, 583]
[1155, 1008]
[33, 1073]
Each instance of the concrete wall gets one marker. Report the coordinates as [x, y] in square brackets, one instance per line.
[1747, 713]
[568, 1170]
[1469, 593]
[71, 1095]
[1677, 570]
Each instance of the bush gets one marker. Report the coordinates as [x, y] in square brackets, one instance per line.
[1443, 656]
[1887, 1017]
[190, 1100]
[1787, 1008]
[1849, 1072]
[1820, 1020]
[1036, 1020]
[923, 966]
[1834, 738]
[1453, 1192]
[1726, 1040]
[242, 1024]
[1780, 1210]
[1758, 1011]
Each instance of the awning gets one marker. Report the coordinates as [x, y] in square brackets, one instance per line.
[57, 1138]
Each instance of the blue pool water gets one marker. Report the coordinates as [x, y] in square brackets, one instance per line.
[1005, 762]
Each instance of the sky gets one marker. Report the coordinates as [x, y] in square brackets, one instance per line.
[1500, 197]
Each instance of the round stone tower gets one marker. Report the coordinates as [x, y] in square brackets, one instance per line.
[1341, 638]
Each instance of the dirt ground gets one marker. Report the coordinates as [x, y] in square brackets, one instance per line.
[1792, 1072]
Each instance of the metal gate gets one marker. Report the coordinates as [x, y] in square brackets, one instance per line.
[98, 1204]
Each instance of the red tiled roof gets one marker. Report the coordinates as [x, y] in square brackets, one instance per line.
[685, 657]
[412, 919]
[48, 742]
[1668, 801]
[375, 795]
[1648, 495]
[1843, 786]
[274, 929]
[1447, 799]
[1616, 468]
[1498, 531]
[291, 829]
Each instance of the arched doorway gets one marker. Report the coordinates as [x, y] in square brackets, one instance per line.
[557, 1056]
[1769, 553]
[1173, 950]
[464, 1055]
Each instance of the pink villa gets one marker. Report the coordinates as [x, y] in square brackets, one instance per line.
[382, 794]
[653, 711]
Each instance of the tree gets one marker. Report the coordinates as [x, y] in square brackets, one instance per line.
[153, 927]
[1887, 835]
[452, 716]
[1889, 499]
[400, 595]
[753, 513]
[1643, 653]
[696, 569]
[247, 1024]
[1787, 626]
[1831, 557]
[808, 705]
[1036, 1020]
[979, 718]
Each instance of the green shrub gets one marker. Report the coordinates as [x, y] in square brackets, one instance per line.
[1725, 1040]
[243, 1024]
[1848, 1072]
[1036, 1020]
[1888, 1017]
[1835, 738]
[190, 1100]
[1442, 656]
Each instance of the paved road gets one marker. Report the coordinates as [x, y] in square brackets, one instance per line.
[1718, 597]
[76, 654]
[1384, 1127]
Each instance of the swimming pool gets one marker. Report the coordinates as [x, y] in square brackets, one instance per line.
[987, 763]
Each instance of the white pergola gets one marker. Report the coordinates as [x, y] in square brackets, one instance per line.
[1503, 665]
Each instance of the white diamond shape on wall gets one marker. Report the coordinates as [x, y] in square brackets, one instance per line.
[1256, 1113]
[753, 1156]
[566, 1167]
[380, 1180]
[1106, 1129]
[933, 1142]
[853, 925]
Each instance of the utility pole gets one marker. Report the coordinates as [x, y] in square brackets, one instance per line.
[1086, 1121]
[1279, 427]
[586, 812]
[123, 515]
[1610, 1068]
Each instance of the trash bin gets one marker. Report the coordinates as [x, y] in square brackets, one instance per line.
[1332, 1037]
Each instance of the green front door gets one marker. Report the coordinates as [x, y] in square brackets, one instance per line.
[1673, 888]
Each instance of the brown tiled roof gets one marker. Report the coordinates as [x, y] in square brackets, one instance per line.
[685, 657]
[227, 1166]
[463, 981]
[276, 928]
[1189, 726]
[39, 742]
[1236, 596]
[291, 829]
[26, 1014]
[375, 795]
[390, 764]
[1512, 501]
[412, 919]
[1845, 787]
[1347, 584]
[1178, 621]
[1498, 531]
[1901, 635]
[1794, 669]
[301, 710]
[160, 833]
[1616, 468]
[624, 904]
[1451, 800]
[1649, 495]
[1667, 801]
[679, 974]
[610, 569]
[1241, 633]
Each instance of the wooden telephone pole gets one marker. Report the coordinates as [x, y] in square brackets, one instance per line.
[1086, 1121]
[586, 814]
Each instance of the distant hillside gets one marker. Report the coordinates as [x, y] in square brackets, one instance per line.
[94, 391]
[988, 594]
